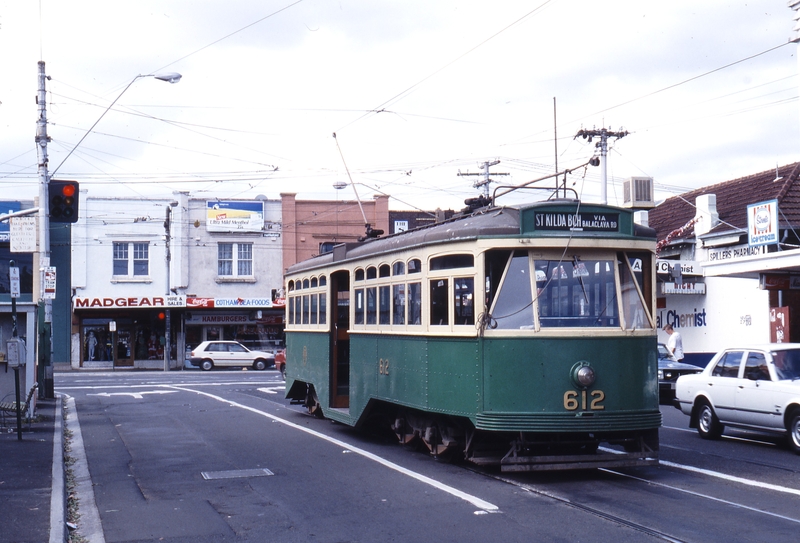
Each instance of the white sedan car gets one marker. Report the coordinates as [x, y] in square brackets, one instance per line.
[209, 354]
[755, 388]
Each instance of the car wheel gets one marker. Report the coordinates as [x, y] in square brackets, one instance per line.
[206, 365]
[708, 425]
[259, 365]
[794, 432]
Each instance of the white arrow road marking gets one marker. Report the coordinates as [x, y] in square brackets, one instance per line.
[137, 395]
[271, 390]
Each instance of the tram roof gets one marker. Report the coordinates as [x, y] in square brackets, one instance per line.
[485, 222]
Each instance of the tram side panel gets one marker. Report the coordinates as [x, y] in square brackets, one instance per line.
[307, 362]
[440, 375]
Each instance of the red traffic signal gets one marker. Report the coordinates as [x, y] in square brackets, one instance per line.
[63, 199]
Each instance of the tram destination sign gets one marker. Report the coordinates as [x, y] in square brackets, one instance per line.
[580, 222]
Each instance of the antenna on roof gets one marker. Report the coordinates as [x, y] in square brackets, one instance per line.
[778, 177]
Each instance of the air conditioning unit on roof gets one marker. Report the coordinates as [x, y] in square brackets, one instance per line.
[638, 193]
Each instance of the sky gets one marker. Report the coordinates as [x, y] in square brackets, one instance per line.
[395, 97]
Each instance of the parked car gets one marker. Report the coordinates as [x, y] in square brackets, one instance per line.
[755, 388]
[280, 362]
[669, 369]
[211, 354]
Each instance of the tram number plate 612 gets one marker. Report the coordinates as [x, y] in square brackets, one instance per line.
[584, 400]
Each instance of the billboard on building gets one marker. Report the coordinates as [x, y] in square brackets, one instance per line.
[762, 223]
[227, 216]
[7, 207]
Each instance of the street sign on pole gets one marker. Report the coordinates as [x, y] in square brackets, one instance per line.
[50, 283]
[13, 274]
[23, 234]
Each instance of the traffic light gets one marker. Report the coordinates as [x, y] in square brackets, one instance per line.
[63, 201]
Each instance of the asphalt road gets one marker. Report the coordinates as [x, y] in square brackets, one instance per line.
[221, 456]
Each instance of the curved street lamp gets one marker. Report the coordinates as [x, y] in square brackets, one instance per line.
[170, 77]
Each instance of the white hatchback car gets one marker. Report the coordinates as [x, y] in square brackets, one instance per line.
[210, 354]
[755, 388]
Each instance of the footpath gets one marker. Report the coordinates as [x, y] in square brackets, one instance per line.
[32, 485]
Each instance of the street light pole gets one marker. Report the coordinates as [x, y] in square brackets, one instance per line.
[45, 305]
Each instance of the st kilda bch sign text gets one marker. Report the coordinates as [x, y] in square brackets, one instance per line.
[585, 222]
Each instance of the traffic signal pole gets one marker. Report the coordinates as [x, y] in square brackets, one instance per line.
[44, 345]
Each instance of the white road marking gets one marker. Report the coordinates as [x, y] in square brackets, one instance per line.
[137, 395]
[706, 496]
[732, 478]
[474, 500]
[271, 390]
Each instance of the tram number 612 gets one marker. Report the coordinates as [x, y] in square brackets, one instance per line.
[573, 400]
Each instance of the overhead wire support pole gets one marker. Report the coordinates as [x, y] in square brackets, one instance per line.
[484, 184]
[44, 345]
[603, 134]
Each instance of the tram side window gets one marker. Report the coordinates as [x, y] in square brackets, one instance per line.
[439, 298]
[297, 309]
[372, 306]
[399, 304]
[306, 312]
[513, 307]
[415, 303]
[323, 316]
[384, 305]
[291, 311]
[359, 307]
[314, 298]
[463, 302]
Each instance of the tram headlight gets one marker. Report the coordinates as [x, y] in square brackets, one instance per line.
[583, 374]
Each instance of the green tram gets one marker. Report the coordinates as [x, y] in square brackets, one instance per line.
[520, 336]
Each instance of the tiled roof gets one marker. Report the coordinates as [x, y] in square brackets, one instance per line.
[733, 197]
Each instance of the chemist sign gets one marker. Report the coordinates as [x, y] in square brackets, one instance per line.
[762, 223]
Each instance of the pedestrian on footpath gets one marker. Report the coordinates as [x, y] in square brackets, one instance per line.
[674, 343]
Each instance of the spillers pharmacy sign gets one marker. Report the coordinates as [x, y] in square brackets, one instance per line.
[584, 222]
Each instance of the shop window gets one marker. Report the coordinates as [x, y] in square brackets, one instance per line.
[124, 265]
[235, 259]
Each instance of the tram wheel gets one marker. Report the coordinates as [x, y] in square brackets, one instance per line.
[312, 403]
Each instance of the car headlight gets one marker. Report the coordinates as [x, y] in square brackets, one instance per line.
[661, 374]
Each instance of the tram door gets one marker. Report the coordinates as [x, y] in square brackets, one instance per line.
[340, 339]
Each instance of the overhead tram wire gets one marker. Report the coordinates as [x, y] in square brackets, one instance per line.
[399, 96]
[674, 85]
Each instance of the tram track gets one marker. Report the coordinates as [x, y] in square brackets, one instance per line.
[653, 532]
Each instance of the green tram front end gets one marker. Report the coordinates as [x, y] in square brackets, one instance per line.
[516, 336]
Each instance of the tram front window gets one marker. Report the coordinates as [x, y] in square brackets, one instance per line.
[566, 292]
[575, 292]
